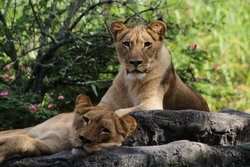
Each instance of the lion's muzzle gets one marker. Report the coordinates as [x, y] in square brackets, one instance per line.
[135, 63]
[85, 140]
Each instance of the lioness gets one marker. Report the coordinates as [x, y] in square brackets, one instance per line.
[147, 79]
[93, 127]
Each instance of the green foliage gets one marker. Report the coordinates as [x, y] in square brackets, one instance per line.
[221, 31]
[63, 48]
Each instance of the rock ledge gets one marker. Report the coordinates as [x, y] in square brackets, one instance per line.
[167, 138]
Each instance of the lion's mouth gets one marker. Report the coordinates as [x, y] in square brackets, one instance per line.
[87, 148]
[136, 71]
[93, 147]
[79, 148]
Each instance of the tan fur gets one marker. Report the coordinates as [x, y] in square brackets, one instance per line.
[152, 83]
[95, 127]
[57, 133]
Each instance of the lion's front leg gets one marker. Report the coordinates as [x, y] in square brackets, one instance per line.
[122, 112]
[149, 104]
[21, 145]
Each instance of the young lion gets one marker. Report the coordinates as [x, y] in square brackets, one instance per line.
[93, 127]
[147, 79]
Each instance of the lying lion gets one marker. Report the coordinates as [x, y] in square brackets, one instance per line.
[93, 127]
[147, 79]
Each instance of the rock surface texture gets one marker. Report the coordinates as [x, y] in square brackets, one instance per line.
[168, 138]
[227, 127]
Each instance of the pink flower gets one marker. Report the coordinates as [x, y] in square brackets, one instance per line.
[51, 105]
[13, 77]
[215, 66]
[236, 91]
[7, 66]
[201, 77]
[29, 69]
[61, 98]
[33, 108]
[192, 46]
[22, 68]
[6, 77]
[4, 93]
[212, 81]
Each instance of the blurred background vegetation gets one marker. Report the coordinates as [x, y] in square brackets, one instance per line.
[53, 50]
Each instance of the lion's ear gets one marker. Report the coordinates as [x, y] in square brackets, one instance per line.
[128, 124]
[158, 27]
[83, 100]
[117, 27]
[83, 104]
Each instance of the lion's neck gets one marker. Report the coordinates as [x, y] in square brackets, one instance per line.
[164, 62]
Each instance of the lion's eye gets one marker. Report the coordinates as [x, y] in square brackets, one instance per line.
[85, 119]
[147, 44]
[105, 130]
[126, 44]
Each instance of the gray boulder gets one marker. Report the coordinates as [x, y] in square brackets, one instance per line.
[167, 138]
[227, 127]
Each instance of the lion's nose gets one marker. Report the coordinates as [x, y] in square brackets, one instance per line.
[135, 63]
[84, 139]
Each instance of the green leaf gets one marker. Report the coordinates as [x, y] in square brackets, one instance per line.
[94, 89]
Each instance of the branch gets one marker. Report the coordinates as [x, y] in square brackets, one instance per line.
[89, 72]
[35, 15]
[10, 49]
[41, 60]
[74, 7]
[80, 83]
[89, 8]
[138, 14]
[7, 8]
[49, 20]
[135, 12]
[75, 39]
[44, 30]
[33, 49]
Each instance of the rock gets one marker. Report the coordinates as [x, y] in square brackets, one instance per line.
[215, 139]
[228, 127]
[179, 153]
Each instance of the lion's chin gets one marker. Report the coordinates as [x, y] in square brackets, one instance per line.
[86, 149]
[136, 75]
[92, 148]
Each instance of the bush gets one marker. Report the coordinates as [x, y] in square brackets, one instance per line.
[21, 110]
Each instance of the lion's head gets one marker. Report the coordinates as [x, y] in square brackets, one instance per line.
[95, 127]
[138, 46]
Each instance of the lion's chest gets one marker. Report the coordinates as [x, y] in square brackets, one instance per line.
[137, 93]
